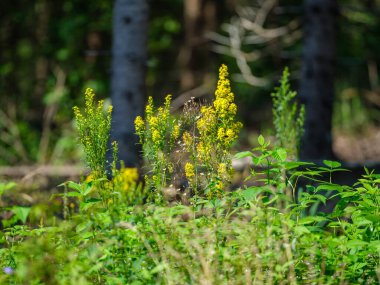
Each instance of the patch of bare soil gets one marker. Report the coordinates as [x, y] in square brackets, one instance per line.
[358, 147]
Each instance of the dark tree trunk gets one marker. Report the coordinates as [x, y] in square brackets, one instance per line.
[129, 56]
[317, 79]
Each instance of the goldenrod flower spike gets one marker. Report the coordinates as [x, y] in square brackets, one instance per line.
[189, 170]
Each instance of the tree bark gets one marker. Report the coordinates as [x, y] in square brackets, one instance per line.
[317, 77]
[129, 57]
[194, 57]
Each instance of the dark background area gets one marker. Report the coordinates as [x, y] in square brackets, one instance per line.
[51, 51]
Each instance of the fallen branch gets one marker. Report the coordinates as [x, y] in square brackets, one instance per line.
[28, 171]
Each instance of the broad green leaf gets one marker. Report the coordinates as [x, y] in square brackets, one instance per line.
[332, 164]
[21, 213]
[251, 192]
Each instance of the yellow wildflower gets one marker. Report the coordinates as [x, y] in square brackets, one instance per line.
[219, 186]
[149, 108]
[89, 178]
[176, 131]
[156, 137]
[128, 178]
[221, 133]
[189, 170]
[77, 113]
[139, 124]
[230, 133]
[222, 169]
[153, 122]
[168, 99]
[232, 109]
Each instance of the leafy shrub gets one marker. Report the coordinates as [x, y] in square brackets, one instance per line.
[93, 127]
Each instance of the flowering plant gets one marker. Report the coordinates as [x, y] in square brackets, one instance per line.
[202, 137]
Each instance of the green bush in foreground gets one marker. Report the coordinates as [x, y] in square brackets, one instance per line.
[254, 235]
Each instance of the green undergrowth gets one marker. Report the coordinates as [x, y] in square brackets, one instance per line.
[185, 223]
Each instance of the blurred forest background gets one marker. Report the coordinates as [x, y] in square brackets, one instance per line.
[50, 51]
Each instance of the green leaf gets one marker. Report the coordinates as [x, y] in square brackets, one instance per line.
[74, 186]
[373, 218]
[281, 154]
[88, 189]
[356, 243]
[261, 140]
[6, 186]
[375, 244]
[321, 198]
[92, 200]
[300, 230]
[72, 194]
[83, 226]
[347, 194]
[312, 219]
[329, 187]
[21, 213]
[251, 193]
[243, 154]
[332, 164]
[295, 164]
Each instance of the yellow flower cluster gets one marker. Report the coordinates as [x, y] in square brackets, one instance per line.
[156, 137]
[149, 109]
[204, 152]
[218, 121]
[158, 134]
[230, 135]
[89, 97]
[139, 125]
[176, 132]
[222, 169]
[224, 102]
[189, 170]
[127, 178]
[158, 123]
